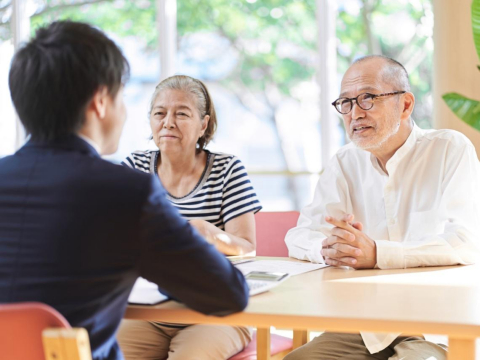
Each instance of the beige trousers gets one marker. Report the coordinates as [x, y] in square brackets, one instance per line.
[153, 341]
[338, 346]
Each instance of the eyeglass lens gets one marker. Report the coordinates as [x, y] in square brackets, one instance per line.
[365, 101]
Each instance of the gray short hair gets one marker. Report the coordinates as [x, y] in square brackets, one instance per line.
[202, 98]
[393, 73]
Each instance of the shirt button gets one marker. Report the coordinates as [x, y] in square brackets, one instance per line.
[391, 221]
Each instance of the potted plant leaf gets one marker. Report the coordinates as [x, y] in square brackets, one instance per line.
[467, 109]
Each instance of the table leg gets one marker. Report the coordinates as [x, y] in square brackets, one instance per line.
[300, 337]
[263, 343]
[461, 349]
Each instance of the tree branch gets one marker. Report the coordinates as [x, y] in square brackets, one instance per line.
[5, 7]
[47, 9]
[372, 41]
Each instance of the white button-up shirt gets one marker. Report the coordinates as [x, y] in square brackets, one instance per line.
[425, 212]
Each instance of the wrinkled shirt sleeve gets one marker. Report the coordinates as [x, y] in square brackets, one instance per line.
[304, 242]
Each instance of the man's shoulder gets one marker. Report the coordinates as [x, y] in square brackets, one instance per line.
[350, 151]
[445, 137]
[109, 185]
[5, 159]
[73, 167]
[347, 157]
[119, 174]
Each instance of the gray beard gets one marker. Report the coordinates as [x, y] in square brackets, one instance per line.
[375, 146]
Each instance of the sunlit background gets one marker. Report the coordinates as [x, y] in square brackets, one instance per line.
[260, 60]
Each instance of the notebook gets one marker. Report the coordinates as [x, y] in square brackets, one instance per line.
[145, 292]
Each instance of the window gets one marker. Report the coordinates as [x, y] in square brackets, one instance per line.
[7, 117]
[259, 59]
[400, 29]
[132, 25]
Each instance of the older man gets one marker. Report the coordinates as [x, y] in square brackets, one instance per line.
[395, 197]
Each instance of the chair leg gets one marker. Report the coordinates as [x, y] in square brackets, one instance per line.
[461, 349]
[300, 337]
[263, 343]
[281, 355]
[66, 344]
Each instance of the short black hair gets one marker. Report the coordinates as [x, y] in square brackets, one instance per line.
[54, 76]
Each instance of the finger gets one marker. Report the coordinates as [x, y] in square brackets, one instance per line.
[339, 223]
[338, 255]
[331, 240]
[347, 249]
[344, 234]
[358, 225]
[331, 253]
[335, 262]
[348, 218]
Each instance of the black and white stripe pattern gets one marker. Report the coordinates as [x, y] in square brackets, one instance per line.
[223, 193]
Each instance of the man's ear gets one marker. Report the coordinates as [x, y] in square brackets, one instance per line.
[408, 105]
[99, 102]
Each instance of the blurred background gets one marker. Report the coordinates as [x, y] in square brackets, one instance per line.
[272, 66]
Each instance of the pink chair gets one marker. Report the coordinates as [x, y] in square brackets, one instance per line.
[35, 331]
[271, 230]
[280, 346]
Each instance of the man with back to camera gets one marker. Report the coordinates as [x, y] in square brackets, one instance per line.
[397, 196]
[76, 231]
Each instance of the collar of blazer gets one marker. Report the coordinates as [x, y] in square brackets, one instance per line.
[70, 142]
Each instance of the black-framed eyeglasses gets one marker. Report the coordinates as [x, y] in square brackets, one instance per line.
[365, 101]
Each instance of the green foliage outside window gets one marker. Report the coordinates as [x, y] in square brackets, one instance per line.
[286, 29]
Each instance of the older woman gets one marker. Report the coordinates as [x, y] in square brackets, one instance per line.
[213, 191]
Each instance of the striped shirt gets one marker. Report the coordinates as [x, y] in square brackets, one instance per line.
[223, 192]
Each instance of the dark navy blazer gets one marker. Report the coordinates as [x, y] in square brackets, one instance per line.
[76, 231]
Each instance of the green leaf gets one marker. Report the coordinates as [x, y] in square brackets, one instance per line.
[466, 109]
[476, 24]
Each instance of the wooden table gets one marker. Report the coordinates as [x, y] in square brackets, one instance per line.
[435, 300]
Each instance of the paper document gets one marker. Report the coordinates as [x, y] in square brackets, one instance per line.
[145, 292]
[290, 267]
[241, 261]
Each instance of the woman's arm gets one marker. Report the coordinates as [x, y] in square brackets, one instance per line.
[238, 237]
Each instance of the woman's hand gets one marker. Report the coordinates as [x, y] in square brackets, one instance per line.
[238, 239]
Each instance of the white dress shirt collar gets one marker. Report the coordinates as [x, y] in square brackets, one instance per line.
[400, 153]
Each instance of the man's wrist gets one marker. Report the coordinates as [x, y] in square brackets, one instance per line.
[375, 261]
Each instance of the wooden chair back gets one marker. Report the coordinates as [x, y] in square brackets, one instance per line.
[36, 331]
